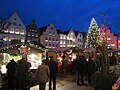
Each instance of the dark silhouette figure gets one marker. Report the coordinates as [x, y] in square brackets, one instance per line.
[11, 67]
[113, 60]
[79, 67]
[22, 68]
[53, 73]
[90, 68]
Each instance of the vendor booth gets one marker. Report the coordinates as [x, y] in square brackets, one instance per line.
[34, 50]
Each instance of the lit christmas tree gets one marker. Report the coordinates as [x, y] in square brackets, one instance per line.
[93, 36]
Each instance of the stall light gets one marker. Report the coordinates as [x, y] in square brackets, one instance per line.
[74, 57]
[32, 56]
[3, 69]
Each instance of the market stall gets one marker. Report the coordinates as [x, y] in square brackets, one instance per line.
[35, 54]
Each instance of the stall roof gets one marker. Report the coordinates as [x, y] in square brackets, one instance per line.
[13, 49]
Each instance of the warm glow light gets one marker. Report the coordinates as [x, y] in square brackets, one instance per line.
[3, 69]
[32, 56]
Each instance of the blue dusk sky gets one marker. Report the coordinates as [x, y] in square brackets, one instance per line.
[65, 14]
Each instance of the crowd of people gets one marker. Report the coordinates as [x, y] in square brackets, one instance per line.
[19, 74]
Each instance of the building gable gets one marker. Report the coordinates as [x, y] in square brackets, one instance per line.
[15, 22]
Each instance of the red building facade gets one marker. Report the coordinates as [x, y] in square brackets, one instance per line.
[112, 39]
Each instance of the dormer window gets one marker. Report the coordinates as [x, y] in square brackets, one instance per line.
[19, 24]
[14, 18]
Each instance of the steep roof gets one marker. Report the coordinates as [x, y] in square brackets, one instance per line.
[32, 25]
[76, 33]
[66, 32]
[42, 29]
[60, 31]
[84, 34]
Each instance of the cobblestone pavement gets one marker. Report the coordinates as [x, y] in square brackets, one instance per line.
[67, 82]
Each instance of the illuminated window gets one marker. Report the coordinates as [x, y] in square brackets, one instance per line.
[22, 32]
[36, 35]
[17, 31]
[11, 30]
[60, 45]
[6, 31]
[22, 40]
[60, 37]
[5, 38]
[60, 42]
[64, 42]
[112, 44]
[63, 37]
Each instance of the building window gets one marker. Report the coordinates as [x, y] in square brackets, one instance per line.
[56, 45]
[17, 31]
[53, 45]
[14, 23]
[49, 45]
[22, 40]
[60, 37]
[64, 42]
[53, 39]
[22, 32]
[60, 42]
[14, 18]
[50, 38]
[46, 38]
[11, 30]
[56, 39]
[49, 32]
[19, 24]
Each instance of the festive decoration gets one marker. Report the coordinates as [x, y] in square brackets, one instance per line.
[93, 36]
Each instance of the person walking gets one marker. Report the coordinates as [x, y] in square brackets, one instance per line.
[53, 72]
[79, 67]
[42, 74]
[11, 67]
[90, 66]
[64, 65]
[22, 68]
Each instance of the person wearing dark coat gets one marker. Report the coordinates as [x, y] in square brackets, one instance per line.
[11, 67]
[113, 60]
[90, 68]
[53, 72]
[22, 68]
[79, 67]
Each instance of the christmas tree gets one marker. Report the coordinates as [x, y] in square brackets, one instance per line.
[93, 36]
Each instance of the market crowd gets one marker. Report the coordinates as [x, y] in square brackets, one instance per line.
[20, 77]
